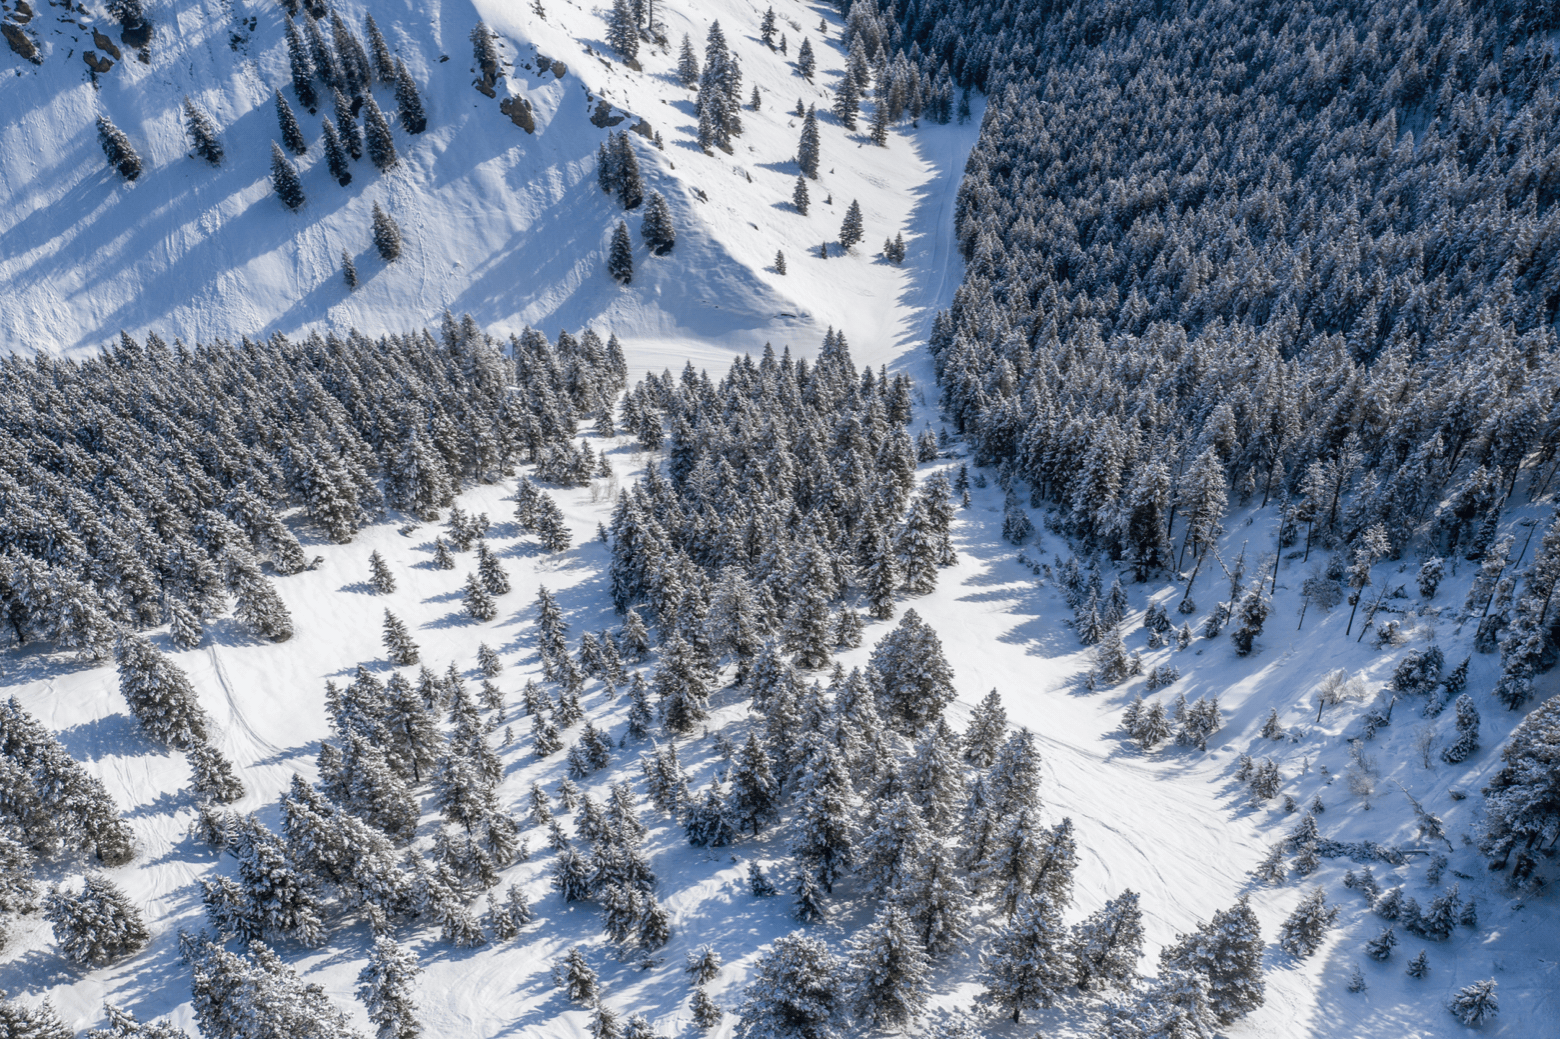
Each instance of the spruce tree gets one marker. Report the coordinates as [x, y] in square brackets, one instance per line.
[1227, 953]
[620, 257]
[808, 150]
[986, 730]
[301, 66]
[779, 262]
[346, 124]
[117, 149]
[385, 986]
[798, 989]
[159, 694]
[1105, 947]
[687, 64]
[706, 1013]
[203, 133]
[98, 926]
[755, 795]
[805, 62]
[212, 775]
[1026, 968]
[380, 576]
[657, 229]
[408, 102]
[623, 30]
[913, 680]
[1475, 1004]
[889, 970]
[335, 153]
[284, 179]
[478, 601]
[381, 145]
[349, 269]
[387, 235]
[575, 976]
[799, 196]
[847, 101]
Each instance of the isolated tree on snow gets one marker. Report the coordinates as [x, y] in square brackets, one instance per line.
[159, 694]
[1302, 932]
[98, 926]
[408, 102]
[118, 149]
[808, 150]
[688, 64]
[399, 646]
[805, 62]
[847, 101]
[387, 235]
[575, 977]
[620, 257]
[284, 178]
[292, 136]
[1105, 947]
[203, 133]
[349, 270]
[706, 1012]
[799, 195]
[850, 230]
[1475, 1004]
[385, 986]
[477, 600]
[381, 146]
[657, 229]
[379, 574]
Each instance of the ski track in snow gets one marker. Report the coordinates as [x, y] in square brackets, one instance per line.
[511, 228]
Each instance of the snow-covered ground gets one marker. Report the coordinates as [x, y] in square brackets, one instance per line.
[512, 228]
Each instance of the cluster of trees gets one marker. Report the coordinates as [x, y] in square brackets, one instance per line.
[49, 804]
[1262, 285]
[147, 485]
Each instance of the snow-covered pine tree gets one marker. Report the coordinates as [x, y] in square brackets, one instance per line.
[212, 775]
[808, 150]
[379, 575]
[779, 262]
[1302, 933]
[414, 119]
[1226, 952]
[1476, 1003]
[623, 30]
[387, 234]
[850, 230]
[203, 133]
[99, 925]
[847, 102]
[706, 1012]
[687, 64]
[117, 149]
[284, 178]
[889, 970]
[913, 681]
[121, 1025]
[798, 989]
[385, 985]
[159, 694]
[620, 255]
[376, 131]
[806, 63]
[657, 229]
[1106, 946]
[575, 976]
[1027, 967]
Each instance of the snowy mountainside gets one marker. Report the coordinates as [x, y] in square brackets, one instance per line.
[505, 225]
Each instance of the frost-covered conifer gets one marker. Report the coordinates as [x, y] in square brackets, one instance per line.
[798, 989]
[913, 680]
[213, 775]
[203, 133]
[159, 694]
[387, 235]
[99, 925]
[117, 148]
[657, 229]
[1475, 1004]
[889, 970]
[620, 256]
[376, 131]
[808, 150]
[1027, 967]
[385, 985]
[284, 179]
[805, 62]
[1302, 932]
[706, 1013]
[1106, 946]
[851, 231]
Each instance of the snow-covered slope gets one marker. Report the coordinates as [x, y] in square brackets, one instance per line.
[505, 225]
[512, 228]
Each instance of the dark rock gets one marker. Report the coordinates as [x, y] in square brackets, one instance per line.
[103, 43]
[21, 43]
[518, 109]
[644, 129]
[602, 117]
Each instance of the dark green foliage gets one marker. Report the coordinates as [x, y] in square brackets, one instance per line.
[408, 101]
[657, 229]
[387, 235]
[620, 256]
[117, 149]
[203, 133]
[381, 146]
[284, 178]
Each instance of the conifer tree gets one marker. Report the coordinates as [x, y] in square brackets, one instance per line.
[805, 62]
[575, 976]
[381, 145]
[799, 196]
[847, 101]
[623, 30]
[850, 230]
[213, 775]
[913, 680]
[798, 990]
[986, 731]
[346, 124]
[1026, 968]
[879, 131]
[385, 986]
[284, 179]
[657, 229]
[335, 153]
[203, 133]
[349, 270]
[889, 969]
[808, 150]
[399, 647]
[687, 64]
[302, 68]
[620, 257]
[1474, 1004]
[408, 102]
[478, 601]
[1105, 947]
[754, 793]
[1301, 934]
[159, 694]
[387, 235]
[706, 1013]
[117, 149]
[98, 926]
[379, 574]
[384, 64]
[121, 1025]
